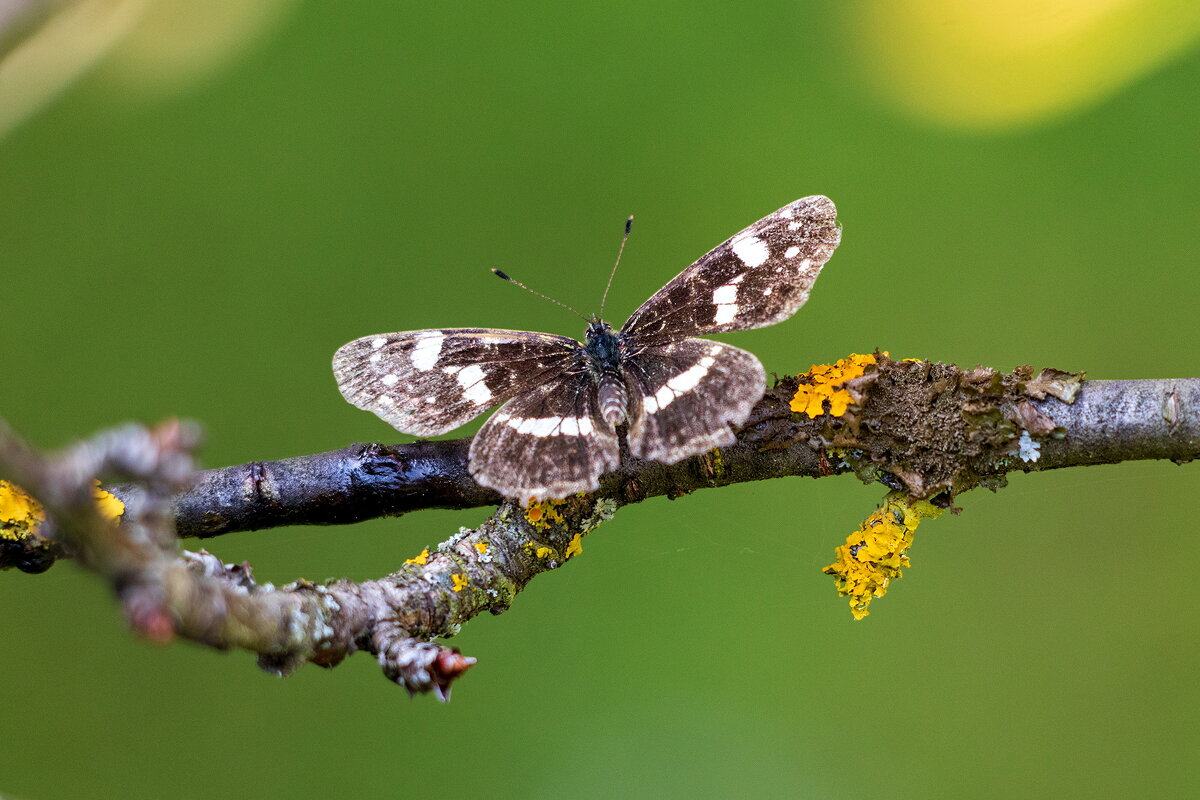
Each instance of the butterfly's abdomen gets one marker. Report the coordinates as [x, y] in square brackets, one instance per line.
[603, 349]
[613, 398]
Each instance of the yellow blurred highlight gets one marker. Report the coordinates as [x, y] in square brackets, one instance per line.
[1010, 63]
[176, 44]
[149, 47]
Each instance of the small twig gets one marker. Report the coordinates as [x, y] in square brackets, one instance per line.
[195, 596]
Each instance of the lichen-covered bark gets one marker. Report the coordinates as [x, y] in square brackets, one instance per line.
[933, 428]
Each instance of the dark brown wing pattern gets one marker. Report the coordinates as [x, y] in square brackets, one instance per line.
[429, 382]
[757, 278]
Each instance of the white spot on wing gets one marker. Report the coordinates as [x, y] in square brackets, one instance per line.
[479, 394]
[664, 396]
[385, 400]
[425, 355]
[751, 250]
[791, 252]
[793, 226]
[725, 313]
[474, 389]
[470, 375]
[550, 426]
[378, 342]
[389, 380]
[539, 426]
[375, 358]
[690, 378]
[649, 404]
[786, 213]
[725, 294]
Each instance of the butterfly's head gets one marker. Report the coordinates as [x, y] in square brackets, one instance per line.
[597, 327]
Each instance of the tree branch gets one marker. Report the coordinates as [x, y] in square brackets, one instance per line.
[1107, 422]
[929, 429]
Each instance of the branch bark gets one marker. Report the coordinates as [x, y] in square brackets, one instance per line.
[1107, 422]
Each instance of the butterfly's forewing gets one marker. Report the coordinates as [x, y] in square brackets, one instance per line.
[757, 278]
[685, 396]
[429, 382]
[547, 442]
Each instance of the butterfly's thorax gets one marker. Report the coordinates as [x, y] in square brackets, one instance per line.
[604, 350]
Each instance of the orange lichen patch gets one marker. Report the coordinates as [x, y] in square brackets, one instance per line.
[574, 547]
[458, 582]
[877, 551]
[825, 383]
[482, 547]
[543, 513]
[421, 559]
[21, 513]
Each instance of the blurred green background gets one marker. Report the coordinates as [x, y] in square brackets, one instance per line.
[194, 235]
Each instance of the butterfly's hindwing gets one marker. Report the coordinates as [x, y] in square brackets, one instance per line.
[547, 442]
[686, 395]
[757, 278]
[428, 382]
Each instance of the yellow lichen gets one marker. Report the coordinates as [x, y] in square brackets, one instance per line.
[574, 547]
[877, 551]
[109, 504]
[16, 505]
[421, 559]
[545, 552]
[482, 547]
[825, 383]
[458, 582]
[543, 513]
[21, 513]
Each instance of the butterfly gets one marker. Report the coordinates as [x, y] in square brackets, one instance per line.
[564, 403]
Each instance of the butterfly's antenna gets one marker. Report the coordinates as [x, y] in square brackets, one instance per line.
[611, 275]
[503, 275]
